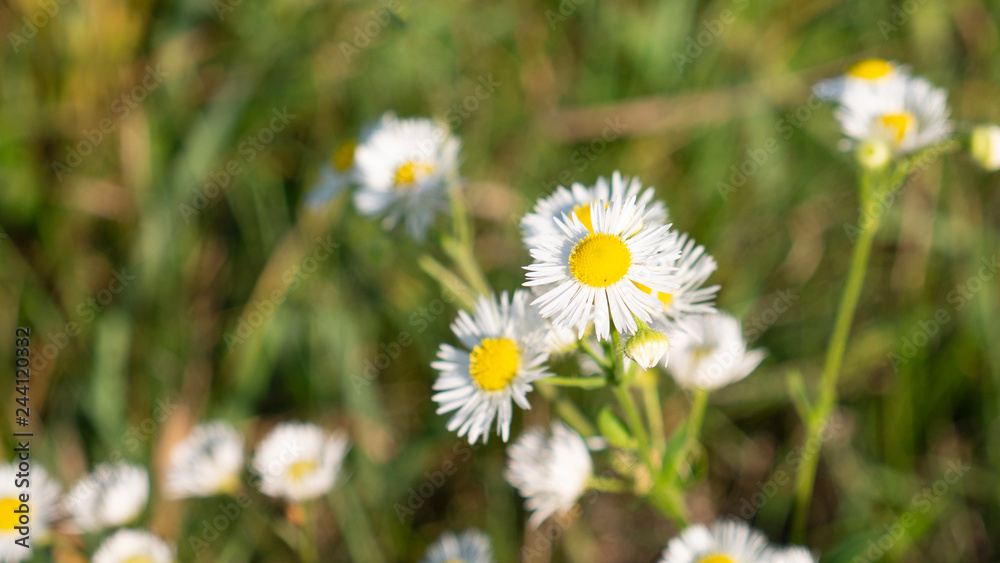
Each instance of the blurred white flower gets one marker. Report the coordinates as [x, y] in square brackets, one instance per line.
[726, 542]
[592, 275]
[909, 114]
[471, 546]
[112, 495]
[792, 555]
[985, 146]
[403, 168]
[206, 463]
[40, 510]
[693, 268]
[334, 176]
[507, 346]
[540, 225]
[711, 353]
[133, 546]
[874, 154]
[297, 461]
[549, 472]
[870, 74]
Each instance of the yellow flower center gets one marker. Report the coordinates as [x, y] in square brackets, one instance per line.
[493, 363]
[410, 172]
[896, 125]
[700, 353]
[870, 69]
[7, 517]
[582, 213]
[716, 558]
[230, 484]
[139, 559]
[343, 157]
[300, 469]
[600, 260]
[665, 298]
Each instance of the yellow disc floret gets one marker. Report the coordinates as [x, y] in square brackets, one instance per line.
[139, 559]
[493, 363]
[8, 519]
[716, 558]
[896, 125]
[343, 157]
[870, 69]
[409, 172]
[600, 260]
[300, 469]
[665, 298]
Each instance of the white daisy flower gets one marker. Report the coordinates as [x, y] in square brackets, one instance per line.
[297, 461]
[870, 74]
[908, 114]
[549, 472]
[507, 352]
[726, 542]
[471, 546]
[792, 555]
[40, 510]
[334, 176]
[133, 546]
[711, 353]
[403, 167]
[985, 146]
[692, 270]
[593, 275]
[112, 495]
[540, 225]
[206, 463]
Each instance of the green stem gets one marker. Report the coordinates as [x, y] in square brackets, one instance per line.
[568, 411]
[805, 480]
[586, 348]
[590, 382]
[692, 432]
[308, 550]
[654, 412]
[607, 484]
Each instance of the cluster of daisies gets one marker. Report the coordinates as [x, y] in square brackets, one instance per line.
[296, 462]
[726, 541]
[606, 265]
[888, 114]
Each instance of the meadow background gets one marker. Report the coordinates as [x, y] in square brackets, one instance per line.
[192, 302]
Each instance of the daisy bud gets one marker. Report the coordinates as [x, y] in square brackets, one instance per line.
[874, 154]
[986, 146]
[647, 346]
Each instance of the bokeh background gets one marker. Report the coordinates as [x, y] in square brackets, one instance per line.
[197, 291]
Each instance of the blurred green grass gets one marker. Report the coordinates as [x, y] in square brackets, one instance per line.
[164, 336]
